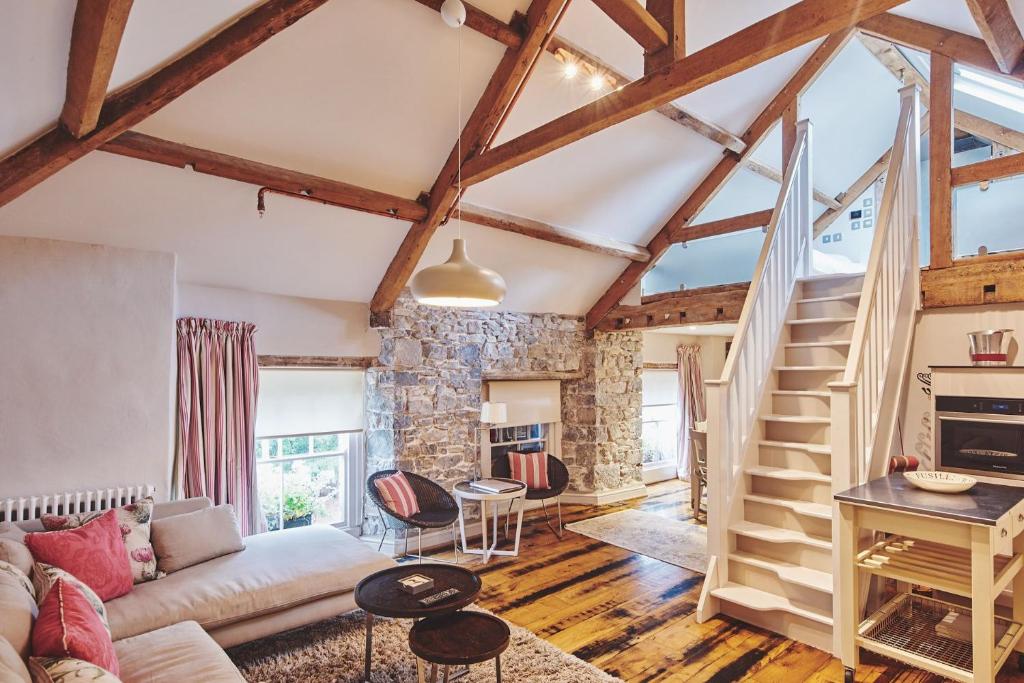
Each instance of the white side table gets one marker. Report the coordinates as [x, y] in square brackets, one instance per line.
[464, 492]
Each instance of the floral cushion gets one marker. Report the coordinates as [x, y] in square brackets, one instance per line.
[67, 670]
[67, 626]
[94, 553]
[19, 576]
[134, 520]
[45, 575]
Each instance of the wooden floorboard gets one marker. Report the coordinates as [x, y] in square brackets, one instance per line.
[633, 616]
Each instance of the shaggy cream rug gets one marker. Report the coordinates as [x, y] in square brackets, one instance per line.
[678, 542]
[332, 652]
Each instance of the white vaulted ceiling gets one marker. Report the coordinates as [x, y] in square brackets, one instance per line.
[364, 91]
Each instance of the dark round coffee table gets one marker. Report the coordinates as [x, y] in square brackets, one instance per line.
[461, 638]
[379, 594]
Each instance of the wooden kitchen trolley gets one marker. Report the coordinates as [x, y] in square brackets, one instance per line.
[969, 545]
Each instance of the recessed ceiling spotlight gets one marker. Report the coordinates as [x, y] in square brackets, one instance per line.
[597, 82]
[572, 69]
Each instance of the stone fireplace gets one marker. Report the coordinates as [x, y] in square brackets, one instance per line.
[423, 397]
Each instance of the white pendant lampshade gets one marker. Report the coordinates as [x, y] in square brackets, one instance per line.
[454, 13]
[458, 282]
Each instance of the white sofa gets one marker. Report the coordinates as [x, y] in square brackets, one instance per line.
[173, 629]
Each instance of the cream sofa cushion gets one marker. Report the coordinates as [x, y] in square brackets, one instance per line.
[180, 507]
[184, 540]
[277, 570]
[178, 653]
[12, 666]
[13, 548]
[17, 609]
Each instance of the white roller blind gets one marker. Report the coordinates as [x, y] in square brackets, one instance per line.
[309, 401]
[660, 386]
[529, 401]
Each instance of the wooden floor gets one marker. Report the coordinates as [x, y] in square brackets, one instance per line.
[633, 616]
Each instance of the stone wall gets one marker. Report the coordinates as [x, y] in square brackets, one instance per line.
[601, 414]
[423, 397]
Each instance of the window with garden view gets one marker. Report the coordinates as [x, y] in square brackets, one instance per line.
[309, 436]
[659, 417]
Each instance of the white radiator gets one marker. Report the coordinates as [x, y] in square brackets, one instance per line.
[72, 502]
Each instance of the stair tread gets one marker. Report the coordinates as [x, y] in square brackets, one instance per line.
[796, 445]
[814, 321]
[788, 572]
[774, 534]
[812, 368]
[835, 297]
[826, 277]
[802, 392]
[817, 344]
[787, 474]
[798, 419]
[763, 601]
[802, 507]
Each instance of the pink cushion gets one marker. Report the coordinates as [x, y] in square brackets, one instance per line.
[68, 626]
[134, 520]
[93, 553]
[398, 495]
[531, 468]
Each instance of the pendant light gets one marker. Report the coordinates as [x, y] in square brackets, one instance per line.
[458, 282]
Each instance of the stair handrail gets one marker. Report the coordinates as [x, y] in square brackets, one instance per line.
[884, 323]
[733, 400]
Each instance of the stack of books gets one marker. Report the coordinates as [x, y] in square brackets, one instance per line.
[494, 486]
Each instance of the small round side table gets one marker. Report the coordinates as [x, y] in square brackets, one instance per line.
[459, 639]
[464, 492]
[379, 594]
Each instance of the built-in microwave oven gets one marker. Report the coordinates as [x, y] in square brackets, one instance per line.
[978, 435]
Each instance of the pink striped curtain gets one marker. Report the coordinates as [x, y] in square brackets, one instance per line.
[691, 401]
[218, 381]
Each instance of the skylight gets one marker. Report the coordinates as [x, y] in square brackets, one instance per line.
[994, 89]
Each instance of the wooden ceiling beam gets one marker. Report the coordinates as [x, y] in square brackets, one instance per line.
[722, 172]
[502, 90]
[95, 39]
[550, 233]
[905, 72]
[1000, 32]
[719, 303]
[56, 149]
[688, 233]
[507, 35]
[768, 38]
[635, 20]
[149, 148]
[672, 15]
[925, 37]
[484, 23]
[990, 169]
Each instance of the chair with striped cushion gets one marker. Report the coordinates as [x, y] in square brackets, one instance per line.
[557, 480]
[436, 509]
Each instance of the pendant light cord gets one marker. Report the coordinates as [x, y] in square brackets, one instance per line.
[458, 130]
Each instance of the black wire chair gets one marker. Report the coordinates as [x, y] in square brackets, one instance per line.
[558, 478]
[437, 511]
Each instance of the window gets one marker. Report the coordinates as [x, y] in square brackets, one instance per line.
[309, 447]
[659, 434]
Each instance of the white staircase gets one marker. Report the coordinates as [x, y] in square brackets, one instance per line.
[806, 405]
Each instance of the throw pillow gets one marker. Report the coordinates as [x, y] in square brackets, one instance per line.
[12, 547]
[184, 540]
[12, 667]
[530, 468]
[19, 576]
[94, 553]
[134, 520]
[44, 576]
[67, 626]
[398, 495]
[67, 670]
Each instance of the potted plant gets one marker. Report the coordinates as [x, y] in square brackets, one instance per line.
[298, 503]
